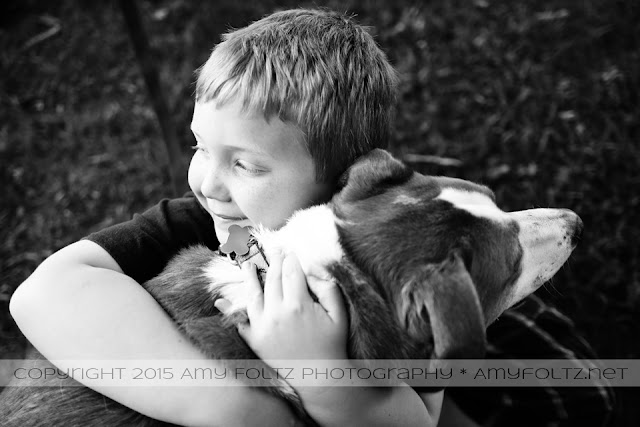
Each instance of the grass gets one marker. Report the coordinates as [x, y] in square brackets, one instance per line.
[538, 100]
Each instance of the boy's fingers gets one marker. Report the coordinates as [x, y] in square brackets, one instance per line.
[294, 282]
[251, 278]
[273, 282]
[330, 298]
[244, 330]
[222, 305]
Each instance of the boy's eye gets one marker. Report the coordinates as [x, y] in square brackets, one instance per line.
[247, 167]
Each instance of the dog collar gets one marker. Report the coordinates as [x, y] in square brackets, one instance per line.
[241, 247]
[254, 254]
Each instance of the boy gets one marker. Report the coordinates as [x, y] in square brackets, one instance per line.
[283, 106]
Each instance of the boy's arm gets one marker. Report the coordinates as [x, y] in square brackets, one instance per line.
[79, 305]
[371, 406]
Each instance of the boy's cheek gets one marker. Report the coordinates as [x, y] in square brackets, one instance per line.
[191, 176]
[195, 177]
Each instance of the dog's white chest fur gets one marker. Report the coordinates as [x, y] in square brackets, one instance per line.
[310, 234]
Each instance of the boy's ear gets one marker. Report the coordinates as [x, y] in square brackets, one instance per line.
[371, 173]
[441, 301]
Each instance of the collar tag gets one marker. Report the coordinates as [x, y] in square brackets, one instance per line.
[241, 246]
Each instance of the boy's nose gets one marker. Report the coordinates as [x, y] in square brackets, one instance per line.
[213, 186]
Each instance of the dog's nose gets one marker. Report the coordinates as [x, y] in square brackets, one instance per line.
[577, 231]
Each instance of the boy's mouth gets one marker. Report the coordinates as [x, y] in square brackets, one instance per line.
[229, 218]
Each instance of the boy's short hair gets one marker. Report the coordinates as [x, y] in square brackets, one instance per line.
[317, 69]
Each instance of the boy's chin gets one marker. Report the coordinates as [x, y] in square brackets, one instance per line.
[222, 232]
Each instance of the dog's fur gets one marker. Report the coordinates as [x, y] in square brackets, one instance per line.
[424, 263]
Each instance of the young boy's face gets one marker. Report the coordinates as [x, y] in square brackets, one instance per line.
[247, 171]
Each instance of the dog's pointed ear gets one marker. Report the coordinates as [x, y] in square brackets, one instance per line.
[373, 171]
[441, 300]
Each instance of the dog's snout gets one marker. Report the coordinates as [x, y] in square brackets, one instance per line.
[574, 226]
[577, 231]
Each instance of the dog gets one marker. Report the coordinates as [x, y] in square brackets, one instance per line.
[424, 263]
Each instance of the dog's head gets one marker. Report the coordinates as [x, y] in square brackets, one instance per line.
[442, 253]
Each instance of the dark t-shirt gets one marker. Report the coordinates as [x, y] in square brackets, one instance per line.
[143, 246]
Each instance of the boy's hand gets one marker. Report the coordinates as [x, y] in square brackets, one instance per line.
[285, 322]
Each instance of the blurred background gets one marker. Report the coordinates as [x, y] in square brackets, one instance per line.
[537, 99]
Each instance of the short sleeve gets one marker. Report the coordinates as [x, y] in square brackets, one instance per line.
[143, 246]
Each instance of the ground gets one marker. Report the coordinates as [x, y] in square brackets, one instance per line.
[538, 100]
